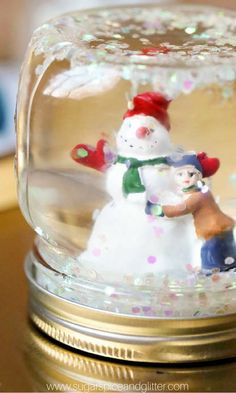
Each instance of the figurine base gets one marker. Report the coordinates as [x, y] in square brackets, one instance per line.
[130, 338]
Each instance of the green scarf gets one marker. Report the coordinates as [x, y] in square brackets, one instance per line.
[131, 179]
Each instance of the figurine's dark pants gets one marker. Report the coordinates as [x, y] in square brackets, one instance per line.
[219, 252]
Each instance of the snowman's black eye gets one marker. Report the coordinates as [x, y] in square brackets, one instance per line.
[152, 129]
[191, 174]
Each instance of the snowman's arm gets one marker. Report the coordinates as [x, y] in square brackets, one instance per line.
[99, 158]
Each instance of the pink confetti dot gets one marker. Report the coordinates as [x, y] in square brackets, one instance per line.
[173, 296]
[189, 267]
[151, 218]
[188, 84]
[147, 309]
[158, 231]
[151, 259]
[154, 199]
[96, 252]
[77, 271]
[114, 296]
[168, 313]
[135, 310]
[215, 277]
[191, 281]
[102, 237]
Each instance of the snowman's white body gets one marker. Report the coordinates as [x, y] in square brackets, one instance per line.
[125, 241]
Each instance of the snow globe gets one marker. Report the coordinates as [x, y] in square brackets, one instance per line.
[125, 164]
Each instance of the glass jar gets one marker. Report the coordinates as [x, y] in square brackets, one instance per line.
[125, 163]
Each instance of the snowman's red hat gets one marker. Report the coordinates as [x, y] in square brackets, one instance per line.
[151, 104]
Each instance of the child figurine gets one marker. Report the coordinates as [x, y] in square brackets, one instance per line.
[211, 224]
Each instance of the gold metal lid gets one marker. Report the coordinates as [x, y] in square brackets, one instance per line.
[52, 365]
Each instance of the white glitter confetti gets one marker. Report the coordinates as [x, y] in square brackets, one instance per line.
[190, 30]
[229, 261]
[109, 291]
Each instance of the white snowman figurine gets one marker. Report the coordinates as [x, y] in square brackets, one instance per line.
[126, 243]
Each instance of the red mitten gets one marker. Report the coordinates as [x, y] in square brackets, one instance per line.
[91, 157]
[209, 165]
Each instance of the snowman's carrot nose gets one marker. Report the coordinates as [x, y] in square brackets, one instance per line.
[142, 132]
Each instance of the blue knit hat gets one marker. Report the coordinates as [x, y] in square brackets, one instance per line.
[186, 160]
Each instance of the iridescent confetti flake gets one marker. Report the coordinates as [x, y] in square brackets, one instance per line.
[109, 291]
[190, 30]
[158, 231]
[227, 92]
[145, 41]
[151, 218]
[189, 267]
[157, 210]
[88, 37]
[202, 296]
[215, 277]
[202, 36]
[147, 309]
[205, 189]
[229, 261]
[201, 57]
[128, 279]
[111, 46]
[81, 153]
[230, 75]
[191, 280]
[188, 84]
[138, 281]
[168, 313]
[154, 199]
[173, 296]
[97, 252]
[142, 67]
[173, 78]
[102, 237]
[125, 30]
[136, 310]
[76, 270]
[118, 36]
[233, 178]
